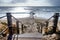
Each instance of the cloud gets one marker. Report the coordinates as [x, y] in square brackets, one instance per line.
[30, 2]
[54, 2]
[5, 1]
[12, 1]
[26, 2]
[39, 2]
[18, 1]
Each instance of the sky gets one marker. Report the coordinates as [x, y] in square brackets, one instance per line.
[29, 2]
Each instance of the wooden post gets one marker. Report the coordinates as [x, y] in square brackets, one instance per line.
[22, 28]
[46, 27]
[9, 21]
[17, 24]
[47, 23]
[55, 22]
[41, 27]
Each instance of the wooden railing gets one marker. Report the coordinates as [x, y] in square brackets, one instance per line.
[9, 21]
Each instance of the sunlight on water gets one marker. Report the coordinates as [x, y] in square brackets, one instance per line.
[18, 9]
[21, 15]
